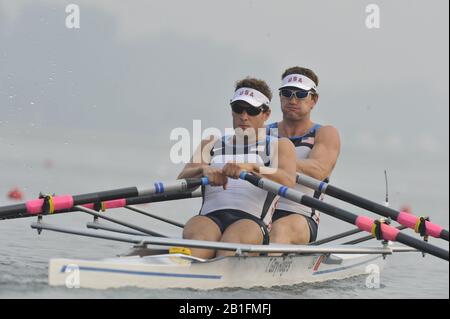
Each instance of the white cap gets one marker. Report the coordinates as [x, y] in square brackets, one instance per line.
[299, 81]
[251, 96]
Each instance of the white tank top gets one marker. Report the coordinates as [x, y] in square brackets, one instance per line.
[240, 195]
[303, 146]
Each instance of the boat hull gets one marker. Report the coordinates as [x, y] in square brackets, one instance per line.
[181, 271]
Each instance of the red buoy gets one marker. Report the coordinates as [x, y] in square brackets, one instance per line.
[15, 194]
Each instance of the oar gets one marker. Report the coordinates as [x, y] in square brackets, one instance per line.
[163, 219]
[65, 203]
[363, 222]
[119, 222]
[99, 226]
[420, 225]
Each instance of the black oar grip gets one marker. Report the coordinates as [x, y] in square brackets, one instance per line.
[250, 178]
[196, 182]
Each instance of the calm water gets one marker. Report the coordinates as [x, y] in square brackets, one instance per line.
[74, 162]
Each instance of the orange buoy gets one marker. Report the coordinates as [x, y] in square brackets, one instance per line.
[15, 194]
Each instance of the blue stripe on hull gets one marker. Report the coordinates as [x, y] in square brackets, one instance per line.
[143, 273]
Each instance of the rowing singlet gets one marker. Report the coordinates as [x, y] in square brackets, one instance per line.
[240, 195]
[303, 146]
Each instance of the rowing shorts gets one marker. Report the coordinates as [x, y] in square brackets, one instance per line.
[313, 227]
[225, 217]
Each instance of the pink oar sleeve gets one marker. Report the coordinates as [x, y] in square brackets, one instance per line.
[60, 202]
[410, 221]
[365, 223]
[110, 204]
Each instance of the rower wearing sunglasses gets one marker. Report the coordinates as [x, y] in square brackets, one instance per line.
[233, 210]
[317, 149]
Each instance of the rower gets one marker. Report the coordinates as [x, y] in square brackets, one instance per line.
[317, 149]
[237, 211]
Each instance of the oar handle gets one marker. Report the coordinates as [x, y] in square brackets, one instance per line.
[312, 183]
[204, 181]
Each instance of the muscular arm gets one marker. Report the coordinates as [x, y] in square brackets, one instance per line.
[323, 156]
[200, 160]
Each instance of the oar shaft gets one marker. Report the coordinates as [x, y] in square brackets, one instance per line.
[336, 237]
[403, 218]
[362, 222]
[117, 221]
[160, 198]
[166, 220]
[67, 202]
[99, 226]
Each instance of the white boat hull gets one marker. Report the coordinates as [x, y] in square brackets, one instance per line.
[181, 271]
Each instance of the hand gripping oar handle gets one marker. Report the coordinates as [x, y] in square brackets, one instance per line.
[362, 222]
[52, 204]
[403, 218]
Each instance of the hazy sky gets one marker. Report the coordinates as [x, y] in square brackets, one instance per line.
[150, 66]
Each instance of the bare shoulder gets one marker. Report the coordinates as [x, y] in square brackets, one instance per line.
[284, 141]
[285, 145]
[327, 129]
[327, 132]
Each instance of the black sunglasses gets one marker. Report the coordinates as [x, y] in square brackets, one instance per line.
[299, 94]
[250, 110]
